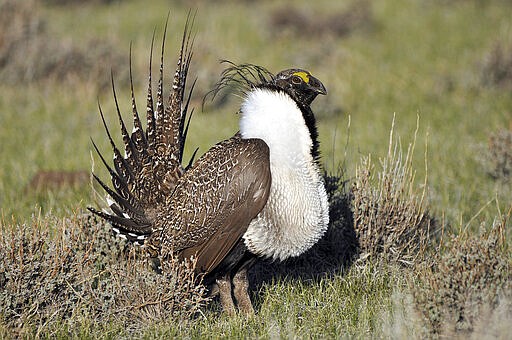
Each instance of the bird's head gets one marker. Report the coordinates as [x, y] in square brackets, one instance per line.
[300, 85]
[297, 83]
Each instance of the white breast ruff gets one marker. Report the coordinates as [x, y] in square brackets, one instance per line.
[297, 212]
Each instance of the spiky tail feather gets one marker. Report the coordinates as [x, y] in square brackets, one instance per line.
[148, 172]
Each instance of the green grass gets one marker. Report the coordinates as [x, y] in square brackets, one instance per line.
[324, 309]
[414, 59]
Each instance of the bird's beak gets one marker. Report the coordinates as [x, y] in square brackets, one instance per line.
[317, 86]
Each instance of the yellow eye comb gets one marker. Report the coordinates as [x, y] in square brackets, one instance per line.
[303, 75]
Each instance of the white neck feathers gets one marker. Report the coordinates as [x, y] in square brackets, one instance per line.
[275, 118]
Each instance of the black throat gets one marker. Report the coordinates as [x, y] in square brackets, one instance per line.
[310, 120]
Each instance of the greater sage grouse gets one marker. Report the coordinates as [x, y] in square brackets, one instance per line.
[259, 194]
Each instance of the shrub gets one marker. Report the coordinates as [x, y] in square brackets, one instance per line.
[462, 283]
[391, 217]
[48, 281]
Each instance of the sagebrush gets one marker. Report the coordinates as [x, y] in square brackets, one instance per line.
[465, 280]
[391, 216]
[55, 272]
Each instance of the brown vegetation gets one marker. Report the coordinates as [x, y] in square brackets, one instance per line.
[391, 216]
[465, 281]
[49, 279]
[458, 285]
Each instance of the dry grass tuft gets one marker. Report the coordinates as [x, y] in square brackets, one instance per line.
[464, 281]
[391, 217]
[497, 66]
[499, 154]
[302, 23]
[29, 53]
[51, 280]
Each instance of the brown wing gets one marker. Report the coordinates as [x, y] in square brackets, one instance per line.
[215, 201]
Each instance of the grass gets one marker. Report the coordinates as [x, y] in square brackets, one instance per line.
[425, 61]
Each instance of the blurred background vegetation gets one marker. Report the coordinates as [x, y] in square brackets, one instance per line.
[442, 69]
[447, 62]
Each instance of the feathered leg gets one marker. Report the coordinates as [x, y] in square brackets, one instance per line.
[241, 286]
[226, 300]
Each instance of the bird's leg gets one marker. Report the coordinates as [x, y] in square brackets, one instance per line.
[241, 286]
[226, 300]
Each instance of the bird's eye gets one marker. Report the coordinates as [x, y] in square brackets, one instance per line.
[296, 80]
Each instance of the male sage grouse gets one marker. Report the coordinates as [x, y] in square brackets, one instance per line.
[258, 194]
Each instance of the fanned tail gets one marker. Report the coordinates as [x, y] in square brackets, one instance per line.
[146, 175]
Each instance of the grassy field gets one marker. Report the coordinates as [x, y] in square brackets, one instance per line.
[432, 69]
